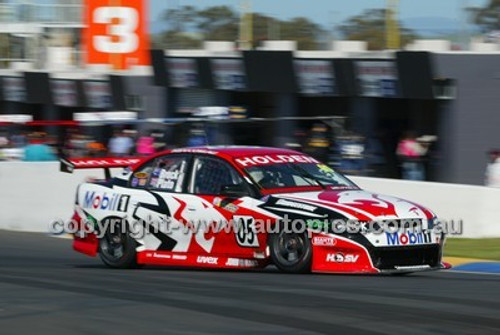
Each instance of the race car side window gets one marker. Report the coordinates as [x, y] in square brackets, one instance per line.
[168, 173]
[154, 174]
[210, 175]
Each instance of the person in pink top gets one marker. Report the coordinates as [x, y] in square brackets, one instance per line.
[410, 153]
[145, 145]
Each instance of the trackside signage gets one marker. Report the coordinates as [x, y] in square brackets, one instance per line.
[274, 159]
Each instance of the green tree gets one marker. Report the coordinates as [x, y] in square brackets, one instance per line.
[180, 29]
[188, 27]
[370, 27]
[488, 17]
[305, 32]
[218, 23]
[180, 19]
[176, 40]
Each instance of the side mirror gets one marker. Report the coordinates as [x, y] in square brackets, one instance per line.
[233, 191]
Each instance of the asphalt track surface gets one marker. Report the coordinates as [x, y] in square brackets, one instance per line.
[46, 288]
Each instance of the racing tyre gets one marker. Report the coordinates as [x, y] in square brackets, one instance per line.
[117, 248]
[291, 251]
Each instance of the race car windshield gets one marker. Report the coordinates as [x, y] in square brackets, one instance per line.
[297, 175]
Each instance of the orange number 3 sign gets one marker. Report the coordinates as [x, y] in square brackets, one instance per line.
[117, 33]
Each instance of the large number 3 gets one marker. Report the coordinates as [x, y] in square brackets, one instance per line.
[124, 31]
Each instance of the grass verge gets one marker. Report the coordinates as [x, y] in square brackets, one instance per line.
[481, 248]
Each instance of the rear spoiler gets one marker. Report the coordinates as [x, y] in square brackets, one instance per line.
[68, 165]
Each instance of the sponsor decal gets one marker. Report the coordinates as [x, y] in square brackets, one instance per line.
[274, 159]
[109, 162]
[233, 262]
[297, 205]
[231, 208]
[217, 201]
[195, 151]
[246, 236]
[179, 257]
[237, 262]
[341, 258]
[409, 238]
[317, 223]
[167, 179]
[324, 241]
[156, 255]
[207, 260]
[141, 175]
[135, 182]
[107, 201]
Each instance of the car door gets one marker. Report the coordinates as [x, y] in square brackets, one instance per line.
[236, 220]
[155, 189]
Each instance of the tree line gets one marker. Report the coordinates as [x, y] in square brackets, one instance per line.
[187, 27]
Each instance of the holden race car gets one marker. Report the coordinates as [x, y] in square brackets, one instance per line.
[243, 208]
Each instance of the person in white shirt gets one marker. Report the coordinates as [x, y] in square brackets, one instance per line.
[120, 145]
[492, 177]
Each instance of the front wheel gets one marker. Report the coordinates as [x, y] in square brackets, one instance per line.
[291, 252]
[117, 248]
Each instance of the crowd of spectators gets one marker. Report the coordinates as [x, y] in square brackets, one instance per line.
[40, 146]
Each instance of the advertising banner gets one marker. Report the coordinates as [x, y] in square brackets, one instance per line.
[98, 94]
[378, 78]
[64, 92]
[229, 74]
[183, 72]
[14, 89]
[116, 33]
[315, 77]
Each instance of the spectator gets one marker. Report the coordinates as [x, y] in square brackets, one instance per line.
[145, 145]
[493, 169]
[19, 140]
[410, 153]
[197, 136]
[318, 143]
[37, 150]
[351, 148]
[4, 141]
[120, 145]
[96, 149]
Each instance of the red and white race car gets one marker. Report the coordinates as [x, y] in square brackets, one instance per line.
[247, 207]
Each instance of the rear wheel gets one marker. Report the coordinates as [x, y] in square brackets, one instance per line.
[291, 252]
[117, 248]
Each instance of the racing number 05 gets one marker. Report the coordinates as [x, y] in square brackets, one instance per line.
[246, 236]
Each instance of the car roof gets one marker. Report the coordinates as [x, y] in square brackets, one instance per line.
[236, 151]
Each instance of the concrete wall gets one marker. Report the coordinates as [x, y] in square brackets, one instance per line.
[476, 206]
[32, 195]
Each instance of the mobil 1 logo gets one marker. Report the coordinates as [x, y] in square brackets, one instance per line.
[244, 228]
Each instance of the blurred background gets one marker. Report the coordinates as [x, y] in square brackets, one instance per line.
[394, 89]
